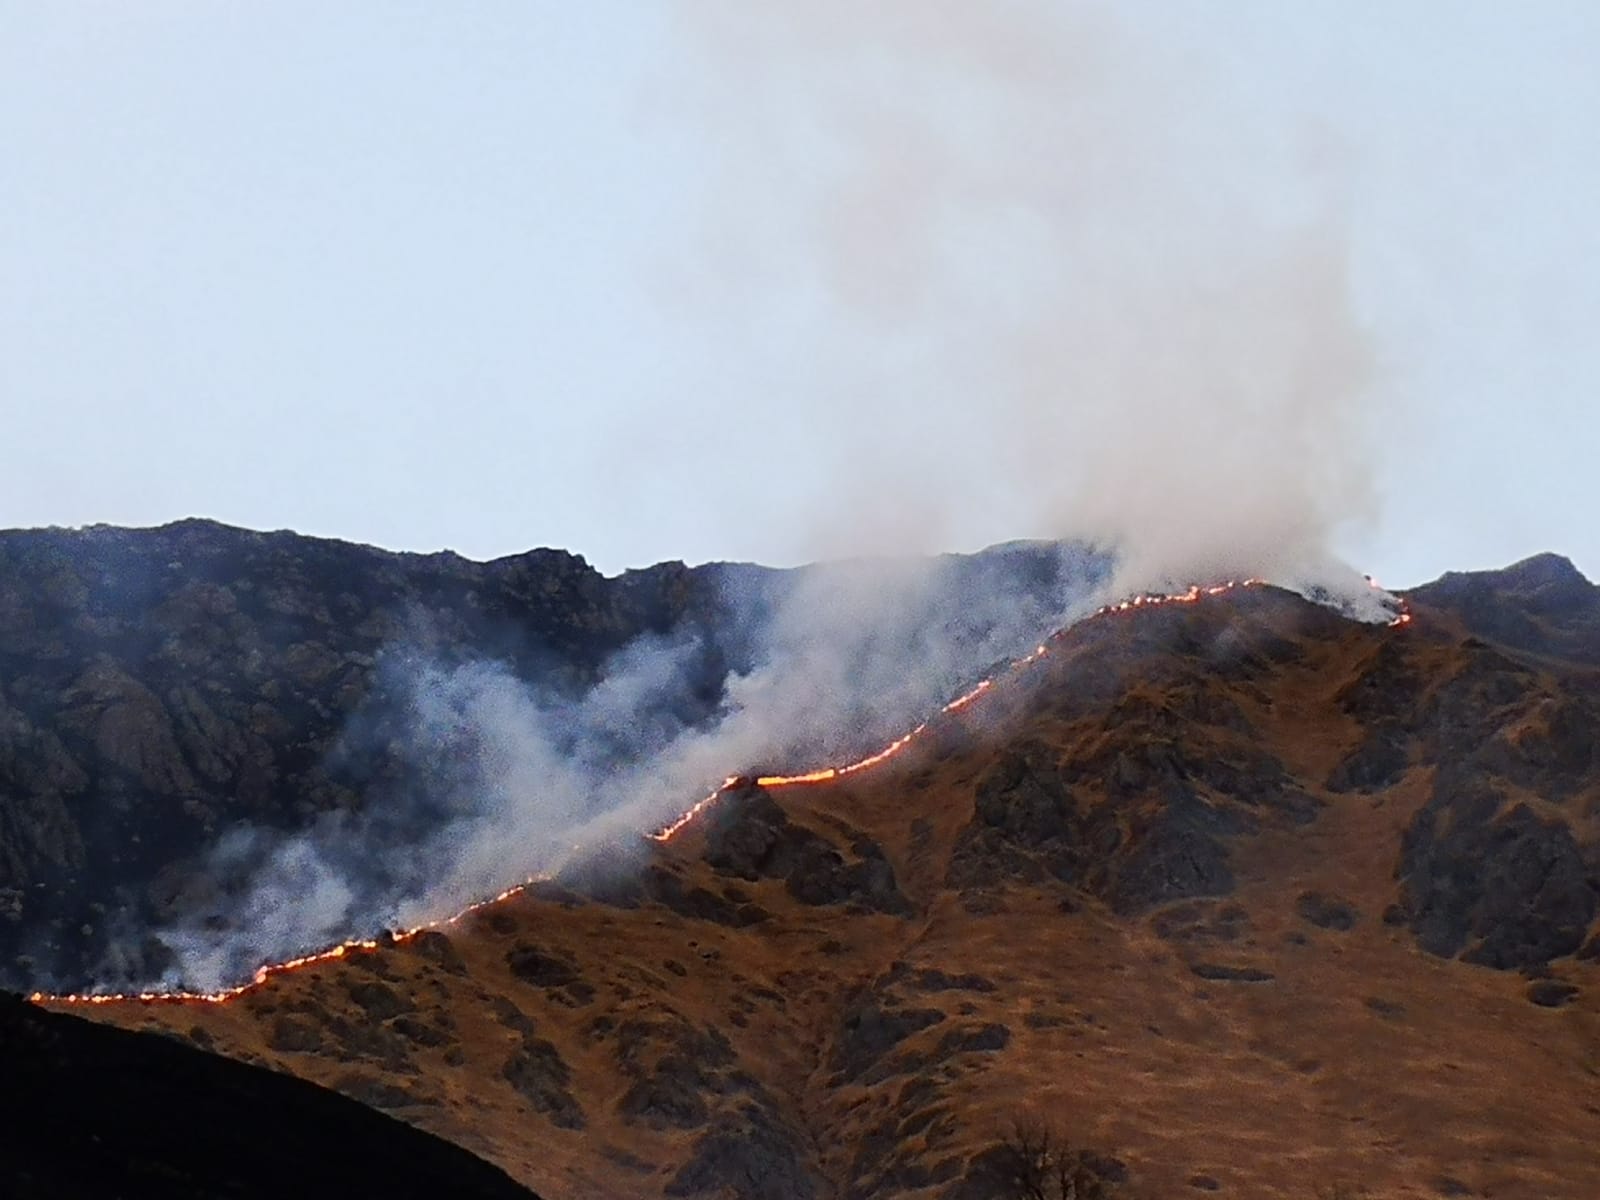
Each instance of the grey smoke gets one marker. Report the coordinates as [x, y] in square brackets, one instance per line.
[500, 777]
[1055, 275]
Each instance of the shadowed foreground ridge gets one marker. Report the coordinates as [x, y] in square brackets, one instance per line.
[87, 1110]
[1239, 896]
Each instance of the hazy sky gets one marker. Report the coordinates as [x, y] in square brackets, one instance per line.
[488, 276]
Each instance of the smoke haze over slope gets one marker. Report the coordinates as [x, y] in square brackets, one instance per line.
[477, 775]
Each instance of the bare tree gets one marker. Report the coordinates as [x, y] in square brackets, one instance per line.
[1033, 1163]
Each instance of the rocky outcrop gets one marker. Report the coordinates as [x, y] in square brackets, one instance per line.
[1327, 912]
[1542, 604]
[869, 1031]
[751, 1154]
[1138, 819]
[750, 837]
[538, 1073]
[1492, 881]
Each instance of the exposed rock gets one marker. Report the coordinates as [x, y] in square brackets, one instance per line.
[1326, 912]
[363, 1040]
[749, 836]
[375, 1092]
[932, 979]
[1551, 993]
[1174, 857]
[1011, 1169]
[1025, 799]
[509, 1015]
[438, 949]
[899, 1152]
[421, 1032]
[1542, 604]
[671, 1094]
[1228, 974]
[748, 1155]
[670, 1033]
[1201, 921]
[991, 1037]
[1385, 690]
[537, 1072]
[379, 1001]
[294, 1036]
[1554, 752]
[1508, 889]
[1377, 763]
[128, 728]
[531, 964]
[682, 1073]
[870, 1031]
[1159, 833]
[700, 904]
[1468, 710]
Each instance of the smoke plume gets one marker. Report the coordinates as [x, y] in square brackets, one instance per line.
[1007, 268]
[1050, 273]
[476, 778]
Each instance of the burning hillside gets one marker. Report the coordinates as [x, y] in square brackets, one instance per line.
[226, 748]
[820, 775]
[1180, 886]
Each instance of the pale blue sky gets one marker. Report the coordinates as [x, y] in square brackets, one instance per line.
[450, 275]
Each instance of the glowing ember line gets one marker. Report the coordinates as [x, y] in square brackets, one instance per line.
[830, 774]
[1194, 594]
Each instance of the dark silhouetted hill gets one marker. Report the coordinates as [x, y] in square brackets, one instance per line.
[88, 1110]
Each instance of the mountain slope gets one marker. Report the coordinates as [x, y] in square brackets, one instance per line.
[177, 703]
[1241, 896]
[1542, 605]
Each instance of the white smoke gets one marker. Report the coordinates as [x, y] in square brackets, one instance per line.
[513, 776]
[1054, 275]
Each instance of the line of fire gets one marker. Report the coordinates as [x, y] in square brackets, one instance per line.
[829, 774]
